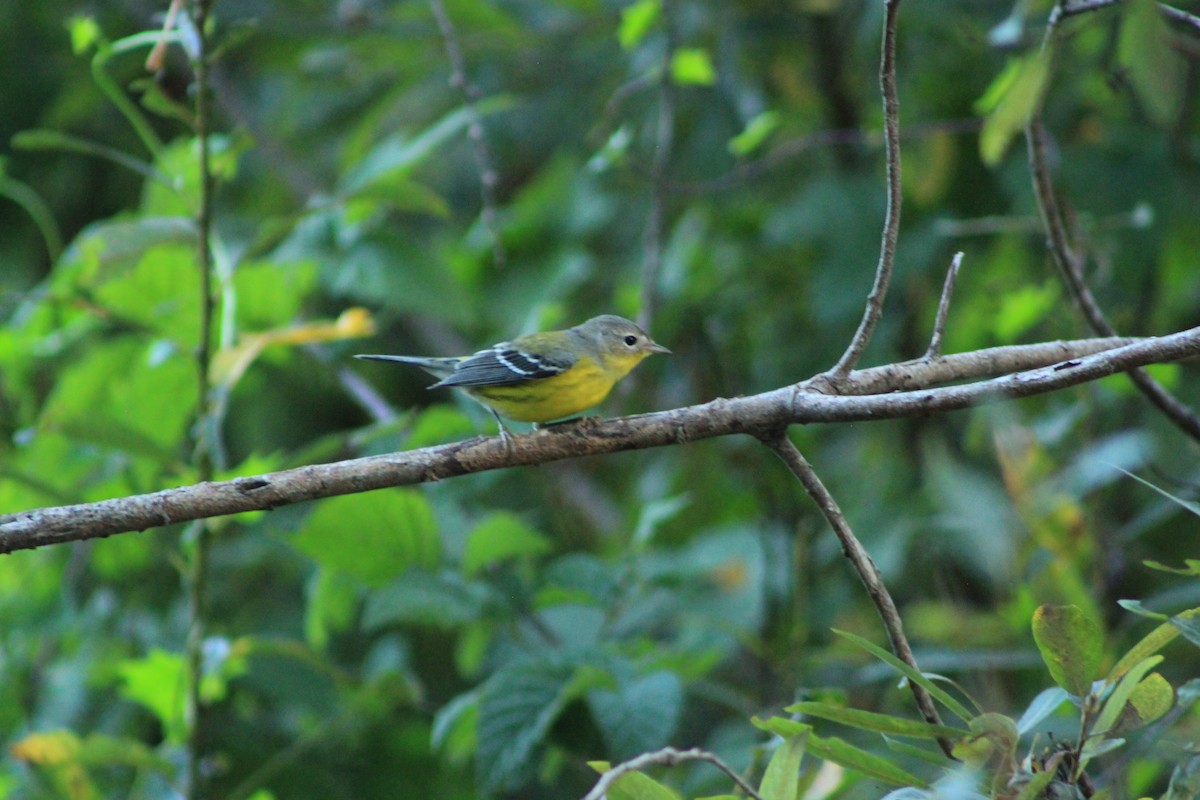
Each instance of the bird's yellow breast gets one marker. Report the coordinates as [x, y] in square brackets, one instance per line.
[582, 386]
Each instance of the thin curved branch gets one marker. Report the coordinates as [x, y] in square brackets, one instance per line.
[891, 221]
[756, 415]
[1070, 262]
[862, 563]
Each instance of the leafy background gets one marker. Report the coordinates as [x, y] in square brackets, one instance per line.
[493, 633]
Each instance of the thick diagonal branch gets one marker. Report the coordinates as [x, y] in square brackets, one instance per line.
[756, 415]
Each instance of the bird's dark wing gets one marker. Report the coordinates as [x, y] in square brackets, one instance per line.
[507, 365]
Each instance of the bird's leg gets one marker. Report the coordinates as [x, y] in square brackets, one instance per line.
[505, 434]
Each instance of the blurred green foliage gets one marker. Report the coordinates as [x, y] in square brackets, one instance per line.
[495, 633]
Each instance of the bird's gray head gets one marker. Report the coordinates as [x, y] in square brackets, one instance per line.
[618, 339]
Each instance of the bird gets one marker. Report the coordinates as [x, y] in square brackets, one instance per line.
[543, 377]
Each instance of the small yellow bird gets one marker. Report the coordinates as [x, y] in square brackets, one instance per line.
[542, 377]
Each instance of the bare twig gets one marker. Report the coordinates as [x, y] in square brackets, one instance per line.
[891, 222]
[663, 139]
[488, 178]
[862, 563]
[1070, 262]
[939, 322]
[756, 415]
[667, 757]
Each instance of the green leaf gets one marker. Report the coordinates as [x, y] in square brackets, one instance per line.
[85, 34]
[639, 714]
[1150, 700]
[158, 682]
[1046, 703]
[421, 598]
[851, 757]
[1036, 785]
[395, 156]
[781, 780]
[691, 66]
[1146, 50]
[499, 537]
[1116, 701]
[1017, 93]
[106, 248]
[271, 294]
[125, 396]
[838, 751]
[935, 757]
[454, 727]
[993, 740]
[1185, 780]
[1022, 308]
[754, 134]
[372, 537]
[1150, 644]
[516, 709]
[1072, 645]
[437, 424]
[634, 785]
[1137, 608]
[99, 750]
[913, 675]
[332, 604]
[636, 21]
[781, 726]
[871, 721]
[1190, 568]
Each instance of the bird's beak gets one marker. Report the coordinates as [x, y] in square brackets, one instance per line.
[655, 347]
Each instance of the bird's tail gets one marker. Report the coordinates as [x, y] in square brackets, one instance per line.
[438, 367]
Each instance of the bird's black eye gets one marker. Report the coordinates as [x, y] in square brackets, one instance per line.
[631, 340]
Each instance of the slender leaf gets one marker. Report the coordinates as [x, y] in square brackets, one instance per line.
[1150, 700]
[1120, 694]
[1046, 703]
[1150, 644]
[913, 675]
[637, 19]
[1020, 91]
[847, 755]
[871, 721]
[781, 780]
[1036, 785]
